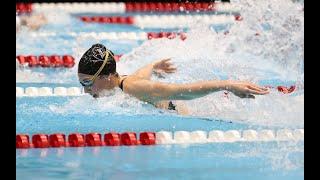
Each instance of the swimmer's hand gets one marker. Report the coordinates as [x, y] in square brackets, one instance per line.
[163, 66]
[245, 89]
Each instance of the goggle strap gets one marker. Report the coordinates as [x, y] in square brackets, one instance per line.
[102, 66]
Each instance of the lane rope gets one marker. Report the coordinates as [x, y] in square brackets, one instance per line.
[120, 7]
[113, 35]
[49, 61]
[163, 21]
[55, 140]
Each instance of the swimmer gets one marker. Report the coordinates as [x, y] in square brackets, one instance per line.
[97, 74]
[32, 22]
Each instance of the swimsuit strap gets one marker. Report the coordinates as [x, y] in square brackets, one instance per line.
[121, 83]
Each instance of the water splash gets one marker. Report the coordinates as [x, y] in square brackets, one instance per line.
[275, 54]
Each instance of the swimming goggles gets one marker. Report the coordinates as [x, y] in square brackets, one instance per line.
[89, 82]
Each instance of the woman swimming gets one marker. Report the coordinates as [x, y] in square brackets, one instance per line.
[97, 73]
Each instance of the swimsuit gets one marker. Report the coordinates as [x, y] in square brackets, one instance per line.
[121, 83]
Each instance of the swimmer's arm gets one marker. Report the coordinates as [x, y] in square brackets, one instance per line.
[145, 72]
[156, 91]
[159, 67]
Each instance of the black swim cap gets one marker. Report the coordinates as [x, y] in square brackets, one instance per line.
[93, 58]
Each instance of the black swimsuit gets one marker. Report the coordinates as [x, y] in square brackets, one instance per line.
[171, 106]
[121, 83]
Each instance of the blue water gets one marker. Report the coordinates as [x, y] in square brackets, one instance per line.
[209, 161]
[272, 160]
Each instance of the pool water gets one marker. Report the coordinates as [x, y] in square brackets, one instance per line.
[205, 54]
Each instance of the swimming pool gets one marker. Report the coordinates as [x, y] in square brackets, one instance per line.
[206, 54]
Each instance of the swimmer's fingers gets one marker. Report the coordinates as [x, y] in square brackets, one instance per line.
[170, 70]
[255, 91]
[253, 86]
[167, 65]
[161, 62]
[165, 60]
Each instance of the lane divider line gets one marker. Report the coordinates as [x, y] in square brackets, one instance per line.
[55, 140]
[120, 7]
[163, 21]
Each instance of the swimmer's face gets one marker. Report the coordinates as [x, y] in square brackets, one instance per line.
[101, 83]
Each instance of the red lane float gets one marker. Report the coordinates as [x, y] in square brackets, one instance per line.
[169, 7]
[56, 61]
[57, 140]
[40, 141]
[93, 139]
[108, 19]
[81, 140]
[22, 141]
[112, 139]
[53, 61]
[147, 138]
[286, 90]
[23, 8]
[238, 18]
[76, 140]
[169, 35]
[68, 61]
[129, 139]
[47, 61]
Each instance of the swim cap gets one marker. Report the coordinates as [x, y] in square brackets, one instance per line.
[93, 58]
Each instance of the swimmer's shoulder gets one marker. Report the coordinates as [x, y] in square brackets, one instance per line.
[138, 87]
[129, 81]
